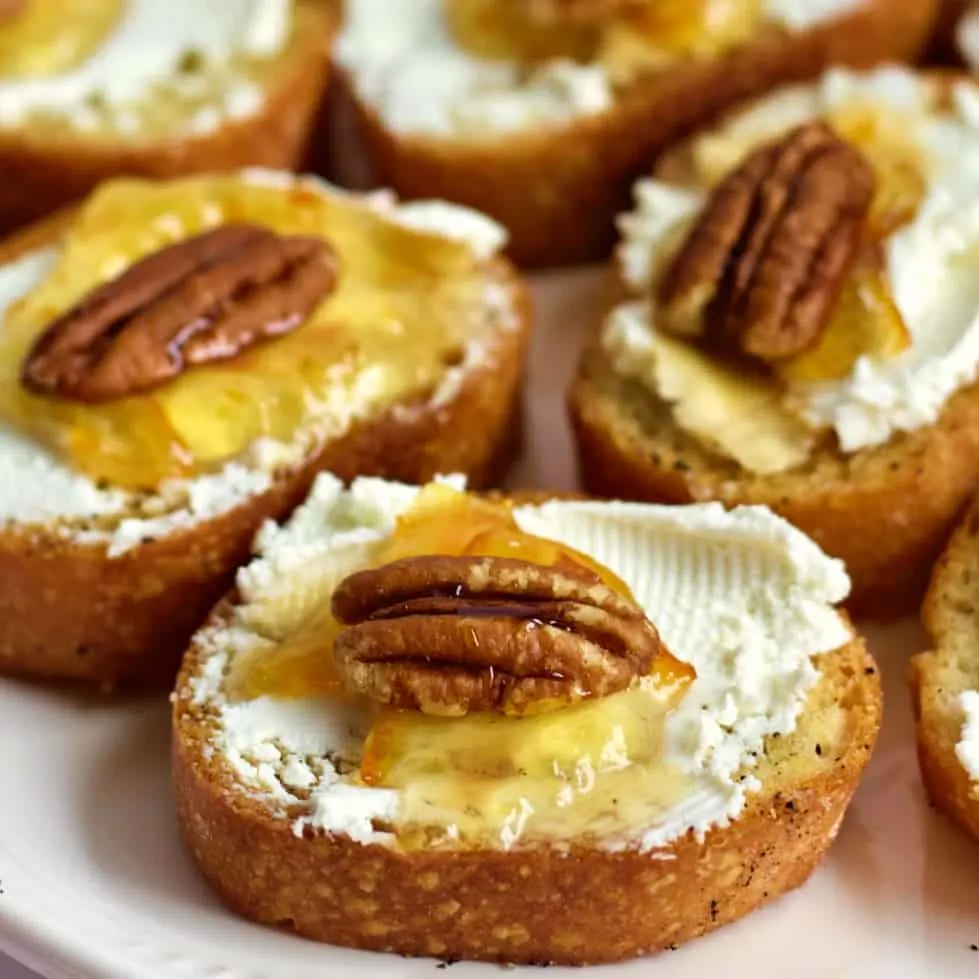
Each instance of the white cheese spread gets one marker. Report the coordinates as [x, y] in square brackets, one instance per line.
[145, 51]
[967, 749]
[407, 66]
[39, 489]
[967, 37]
[743, 596]
[931, 262]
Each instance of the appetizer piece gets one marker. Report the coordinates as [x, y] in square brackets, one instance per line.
[432, 723]
[177, 362]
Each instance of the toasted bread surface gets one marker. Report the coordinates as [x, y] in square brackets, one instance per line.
[41, 171]
[533, 904]
[559, 188]
[68, 611]
[886, 511]
[937, 678]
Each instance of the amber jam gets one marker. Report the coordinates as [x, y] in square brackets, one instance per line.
[405, 304]
[51, 37]
[629, 43]
[486, 778]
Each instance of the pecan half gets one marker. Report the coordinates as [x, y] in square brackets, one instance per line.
[199, 301]
[450, 635]
[766, 260]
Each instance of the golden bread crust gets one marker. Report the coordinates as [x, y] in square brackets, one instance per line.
[68, 611]
[533, 905]
[886, 511]
[951, 617]
[558, 189]
[40, 172]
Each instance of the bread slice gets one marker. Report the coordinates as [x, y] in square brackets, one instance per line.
[70, 609]
[534, 903]
[43, 168]
[557, 188]
[939, 678]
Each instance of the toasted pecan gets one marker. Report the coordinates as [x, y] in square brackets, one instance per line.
[201, 300]
[451, 635]
[766, 260]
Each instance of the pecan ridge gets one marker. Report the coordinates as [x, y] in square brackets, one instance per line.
[450, 635]
[199, 301]
[764, 264]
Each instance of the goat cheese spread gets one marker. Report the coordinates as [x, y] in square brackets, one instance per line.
[967, 749]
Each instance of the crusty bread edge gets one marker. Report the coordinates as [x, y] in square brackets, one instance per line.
[69, 612]
[531, 906]
[946, 781]
[559, 189]
[39, 175]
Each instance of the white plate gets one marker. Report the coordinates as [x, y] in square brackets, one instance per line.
[95, 882]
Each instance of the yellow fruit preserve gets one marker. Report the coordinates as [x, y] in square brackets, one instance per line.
[405, 304]
[661, 32]
[486, 778]
[50, 37]
[504, 30]
[627, 43]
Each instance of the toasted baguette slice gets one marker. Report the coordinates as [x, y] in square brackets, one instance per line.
[938, 678]
[71, 610]
[558, 188]
[532, 904]
[885, 511]
[42, 169]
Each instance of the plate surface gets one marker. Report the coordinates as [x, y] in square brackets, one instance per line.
[95, 884]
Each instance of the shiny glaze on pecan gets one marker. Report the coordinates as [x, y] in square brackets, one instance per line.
[764, 264]
[203, 300]
[452, 635]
